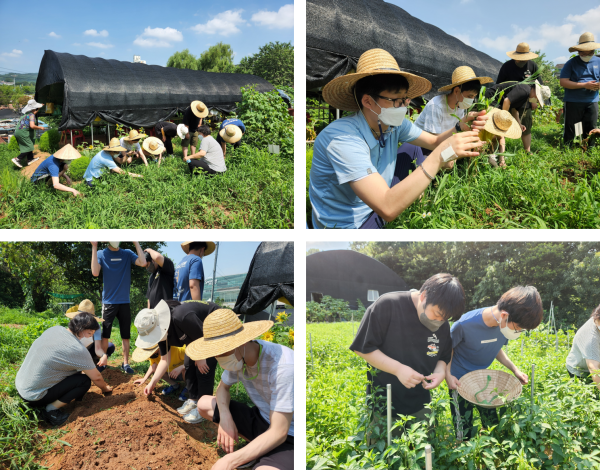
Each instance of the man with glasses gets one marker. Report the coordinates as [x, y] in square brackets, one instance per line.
[478, 338]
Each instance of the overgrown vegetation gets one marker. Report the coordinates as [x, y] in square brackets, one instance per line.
[332, 310]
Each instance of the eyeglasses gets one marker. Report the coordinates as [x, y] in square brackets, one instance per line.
[396, 102]
[514, 329]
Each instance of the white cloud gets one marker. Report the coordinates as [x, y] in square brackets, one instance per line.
[282, 19]
[158, 37]
[464, 38]
[100, 45]
[14, 53]
[93, 32]
[224, 24]
[589, 21]
[53, 35]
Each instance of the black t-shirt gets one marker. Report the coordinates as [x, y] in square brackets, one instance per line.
[517, 94]
[392, 325]
[160, 283]
[510, 72]
[169, 128]
[191, 120]
[187, 322]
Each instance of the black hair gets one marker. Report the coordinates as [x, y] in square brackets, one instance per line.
[204, 130]
[197, 245]
[473, 85]
[445, 291]
[373, 85]
[524, 306]
[83, 321]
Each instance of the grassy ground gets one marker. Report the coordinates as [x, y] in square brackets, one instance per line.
[552, 188]
[256, 191]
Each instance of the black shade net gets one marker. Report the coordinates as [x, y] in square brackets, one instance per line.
[132, 94]
[339, 31]
[270, 277]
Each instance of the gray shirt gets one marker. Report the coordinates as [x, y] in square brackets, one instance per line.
[586, 345]
[54, 356]
[214, 154]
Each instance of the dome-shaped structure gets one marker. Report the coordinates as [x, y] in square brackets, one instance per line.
[349, 275]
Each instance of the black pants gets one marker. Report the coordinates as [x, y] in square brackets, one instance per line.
[73, 387]
[92, 350]
[27, 156]
[586, 113]
[201, 164]
[489, 416]
[199, 384]
[120, 311]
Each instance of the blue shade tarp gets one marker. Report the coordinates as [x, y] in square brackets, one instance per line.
[132, 94]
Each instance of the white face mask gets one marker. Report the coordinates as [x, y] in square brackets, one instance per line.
[466, 103]
[506, 331]
[86, 341]
[391, 116]
[586, 58]
[114, 244]
[231, 363]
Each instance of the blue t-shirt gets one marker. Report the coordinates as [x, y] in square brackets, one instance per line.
[98, 334]
[579, 71]
[190, 267]
[475, 344]
[49, 167]
[116, 275]
[346, 151]
[235, 122]
[100, 161]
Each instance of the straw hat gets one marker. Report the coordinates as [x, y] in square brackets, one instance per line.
[31, 104]
[464, 74]
[133, 135]
[182, 130]
[115, 146]
[85, 306]
[152, 325]
[199, 109]
[522, 52]
[143, 354]
[67, 153]
[210, 247]
[339, 92]
[153, 145]
[480, 386]
[223, 331]
[502, 123]
[586, 42]
[231, 133]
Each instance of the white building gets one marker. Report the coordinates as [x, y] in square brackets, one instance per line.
[138, 60]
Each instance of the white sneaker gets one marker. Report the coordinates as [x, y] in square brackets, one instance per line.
[188, 406]
[193, 417]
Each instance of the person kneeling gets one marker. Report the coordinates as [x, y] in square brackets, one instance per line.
[210, 158]
[106, 159]
[175, 373]
[54, 167]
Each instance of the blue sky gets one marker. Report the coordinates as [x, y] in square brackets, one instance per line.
[152, 29]
[494, 28]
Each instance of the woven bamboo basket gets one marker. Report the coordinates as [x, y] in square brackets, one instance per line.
[489, 388]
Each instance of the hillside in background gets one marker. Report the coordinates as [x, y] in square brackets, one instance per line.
[20, 79]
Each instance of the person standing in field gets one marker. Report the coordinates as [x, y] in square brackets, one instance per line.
[165, 131]
[583, 360]
[230, 135]
[209, 158]
[25, 133]
[160, 282]
[131, 143]
[580, 77]
[54, 167]
[192, 119]
[115, 264]
[189, 274]
[105, 159]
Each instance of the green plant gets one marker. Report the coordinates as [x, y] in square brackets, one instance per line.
[77, 167]
[13, 144]
[49, 141]
[280, 333]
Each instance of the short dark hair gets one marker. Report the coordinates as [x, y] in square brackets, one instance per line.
[596, 313]
[197, 245]
[473, 85]
[373, 85]
[83, 321]
[204, 130]
[445, 291]
[524, 306]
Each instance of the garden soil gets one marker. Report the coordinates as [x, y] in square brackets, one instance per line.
[29, 170]
[124, 430]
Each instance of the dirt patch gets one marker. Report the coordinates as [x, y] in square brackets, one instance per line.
[125, 430]
[29, 170]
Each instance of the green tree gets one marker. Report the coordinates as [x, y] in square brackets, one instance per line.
[274, 62]
[547, 75]
[183, 60]
[218, 58]
[312, 251]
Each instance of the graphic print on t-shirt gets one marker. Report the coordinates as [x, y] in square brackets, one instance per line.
[433, 349]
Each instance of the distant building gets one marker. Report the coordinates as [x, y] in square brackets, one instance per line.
[138, 60]
[6, 83]
[226, 288]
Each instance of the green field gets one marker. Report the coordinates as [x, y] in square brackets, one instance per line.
[559, 431]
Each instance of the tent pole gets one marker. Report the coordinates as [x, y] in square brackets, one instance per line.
[71, 136]
[92, 133]
[212, 292]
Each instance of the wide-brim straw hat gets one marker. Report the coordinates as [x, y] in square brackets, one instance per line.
[68, 152]
[223, 331]
[210, 247]
[522, 52]
[482, 385]
[339, 92]
[587, 42]
[143, 354]
[134, 135]
[31, 104]
[85, 306]
[464, 74]
[153, 145]
[152, 325]
[182, 130]
[199, 109]
[115, 146]
[502, 123]
[231, 133]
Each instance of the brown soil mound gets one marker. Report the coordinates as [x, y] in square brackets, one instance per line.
[125, 430]
[28, 171]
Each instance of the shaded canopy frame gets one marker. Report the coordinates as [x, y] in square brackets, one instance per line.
[132, 94]
[339, 31]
